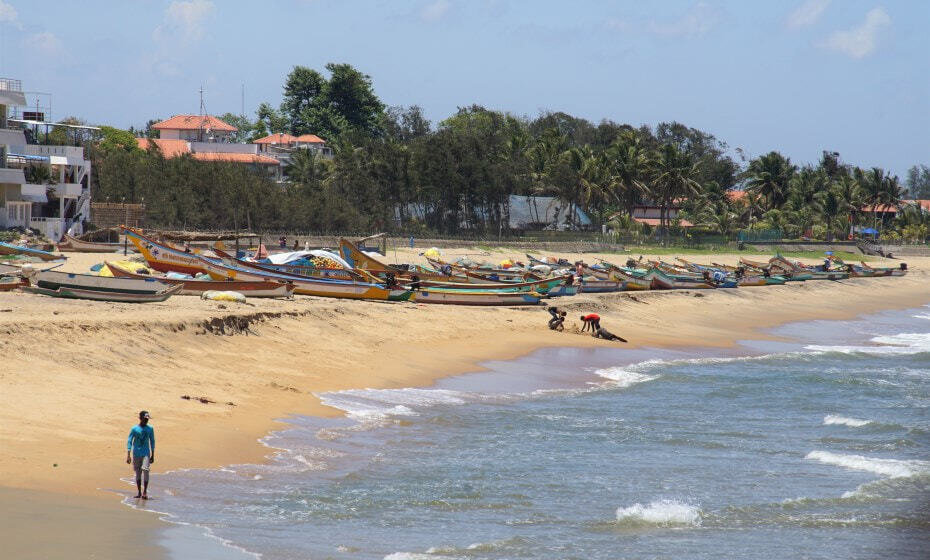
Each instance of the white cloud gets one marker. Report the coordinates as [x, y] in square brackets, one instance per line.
[435, 11]
[698, 21]
[46, 43]
[7, 12]
[860, 40]
[184, 20]
[807, 13]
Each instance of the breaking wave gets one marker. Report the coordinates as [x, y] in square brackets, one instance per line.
[833, 419]
[662, 513]
[892, 468]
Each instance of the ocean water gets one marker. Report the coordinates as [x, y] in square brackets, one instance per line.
[815, 447]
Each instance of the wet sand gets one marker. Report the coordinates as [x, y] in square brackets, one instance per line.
[76, 372]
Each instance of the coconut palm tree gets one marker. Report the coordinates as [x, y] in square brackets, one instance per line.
[769, 176]
[629, 164]
[675, 176]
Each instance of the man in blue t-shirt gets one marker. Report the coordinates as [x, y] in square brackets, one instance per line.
[141, 446]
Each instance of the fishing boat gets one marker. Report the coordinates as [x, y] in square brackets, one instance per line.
[8, 269]
[737, 274]
[597, 286]
[815, 274]
[307, 271]
[461, 297]
[660, 280]
[165, 259]
[630, 279]
[790, 273]
[248, 288]
[900, 270]
[54, 280]
[219, 270]
[8, 283]
[10, 249]
[99, 295]
[563, 291]
[79, 246]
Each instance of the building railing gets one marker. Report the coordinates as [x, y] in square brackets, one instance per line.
[9, 84]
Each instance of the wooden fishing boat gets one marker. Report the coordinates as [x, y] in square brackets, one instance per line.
[165, 259]
[307, 271]
[307, 286]
[461, 297]
[598, 286]
[660, 280]
[563, 291]
[814, 274]
[6, 269]
[248, 288]
[79, 246]
[900, 270]
[478, 274]
[101, 295]
[54, 280]
[738, 275]
[8, 283]
[630, 279]
[790, 274]
[10, 249]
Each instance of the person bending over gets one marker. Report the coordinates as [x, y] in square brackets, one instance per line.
[140, 453]
[556, 323]
[592, 321]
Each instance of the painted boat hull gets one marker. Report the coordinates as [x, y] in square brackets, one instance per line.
[459, 297]
[9, 283]
[563, 291]
[96, 295]
[53, 280]
[598, 286]
[197, 287]
[10, 249]
[76, 245]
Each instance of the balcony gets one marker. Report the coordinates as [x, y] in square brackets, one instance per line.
[75, 155]
[67, 190]
[12, 176]
[11, 92]
[10, 137]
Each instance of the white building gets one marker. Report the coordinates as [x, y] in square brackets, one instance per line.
[57, 200]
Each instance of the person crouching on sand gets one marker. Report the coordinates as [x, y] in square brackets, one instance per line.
[592, 321]
[557, 322]
[140, 453]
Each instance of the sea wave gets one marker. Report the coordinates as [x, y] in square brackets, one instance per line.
[663, 513]
[892, 468]
[903, 343]
[833, 419]
[624, 377]
[368, 404]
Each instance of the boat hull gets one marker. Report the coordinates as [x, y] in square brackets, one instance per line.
[96, 295]
[459, 297]
[197, 287]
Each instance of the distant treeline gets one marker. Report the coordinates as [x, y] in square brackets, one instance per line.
[393, 170]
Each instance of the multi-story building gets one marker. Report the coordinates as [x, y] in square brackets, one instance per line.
[42, 187]
[207, 138]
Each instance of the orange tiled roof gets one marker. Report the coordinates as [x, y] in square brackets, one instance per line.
[733, 196]
[169, 148]
[310, 139]
[277, 138]
[194, 122]
[235, 158]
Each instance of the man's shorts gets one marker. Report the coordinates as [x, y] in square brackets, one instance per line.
[140, 464]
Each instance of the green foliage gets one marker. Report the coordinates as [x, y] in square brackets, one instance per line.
[114, 139]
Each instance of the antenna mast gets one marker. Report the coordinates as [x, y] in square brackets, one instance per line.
[202, 112]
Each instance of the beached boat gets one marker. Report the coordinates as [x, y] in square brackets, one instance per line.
[8, 283]
[54, 280]
[165, 259]
[308, 286]
[461, 297]
[563, 291]
[100, 295]
[248, 288]
[597, 286]
[815, 274]
[630, 280]
[79, 246]
[900, 270]
[660, 280]
[10, 249]
[306, 271]
[8, 269]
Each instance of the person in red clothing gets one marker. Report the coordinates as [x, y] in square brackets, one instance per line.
[592, 320]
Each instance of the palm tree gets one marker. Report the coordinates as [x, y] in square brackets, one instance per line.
[629, 165]
[306, 167]
[769, 176]
[675, 178]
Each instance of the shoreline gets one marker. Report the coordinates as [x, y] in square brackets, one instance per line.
[383, 345]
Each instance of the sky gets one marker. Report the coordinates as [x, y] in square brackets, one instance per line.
[797, 76]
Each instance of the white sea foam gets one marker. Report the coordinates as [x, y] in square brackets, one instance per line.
[414, 556]
[833, 419]
[892, 468]
[922, 316]
[365, 404]
[904, 343]
[662, 513]
[624, 377]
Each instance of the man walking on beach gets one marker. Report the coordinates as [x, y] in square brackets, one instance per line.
[140, 453]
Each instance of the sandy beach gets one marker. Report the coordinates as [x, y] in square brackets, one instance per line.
[74, 373]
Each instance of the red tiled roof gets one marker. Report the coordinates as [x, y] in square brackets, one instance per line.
[310, 139]
[736, 195]
[277, 138]
[169, 148]
[235, 158]
[194, 122]
[657, 221]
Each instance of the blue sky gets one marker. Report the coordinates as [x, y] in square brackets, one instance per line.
[799, 76]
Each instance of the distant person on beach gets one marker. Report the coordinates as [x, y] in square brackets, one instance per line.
[556, 323]
[606, 335]
[140, 453]
[296, 245]
[592, 320]
[187, 247]
[282, 242]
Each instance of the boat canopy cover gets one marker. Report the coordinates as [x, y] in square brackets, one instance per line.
[284, 258]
